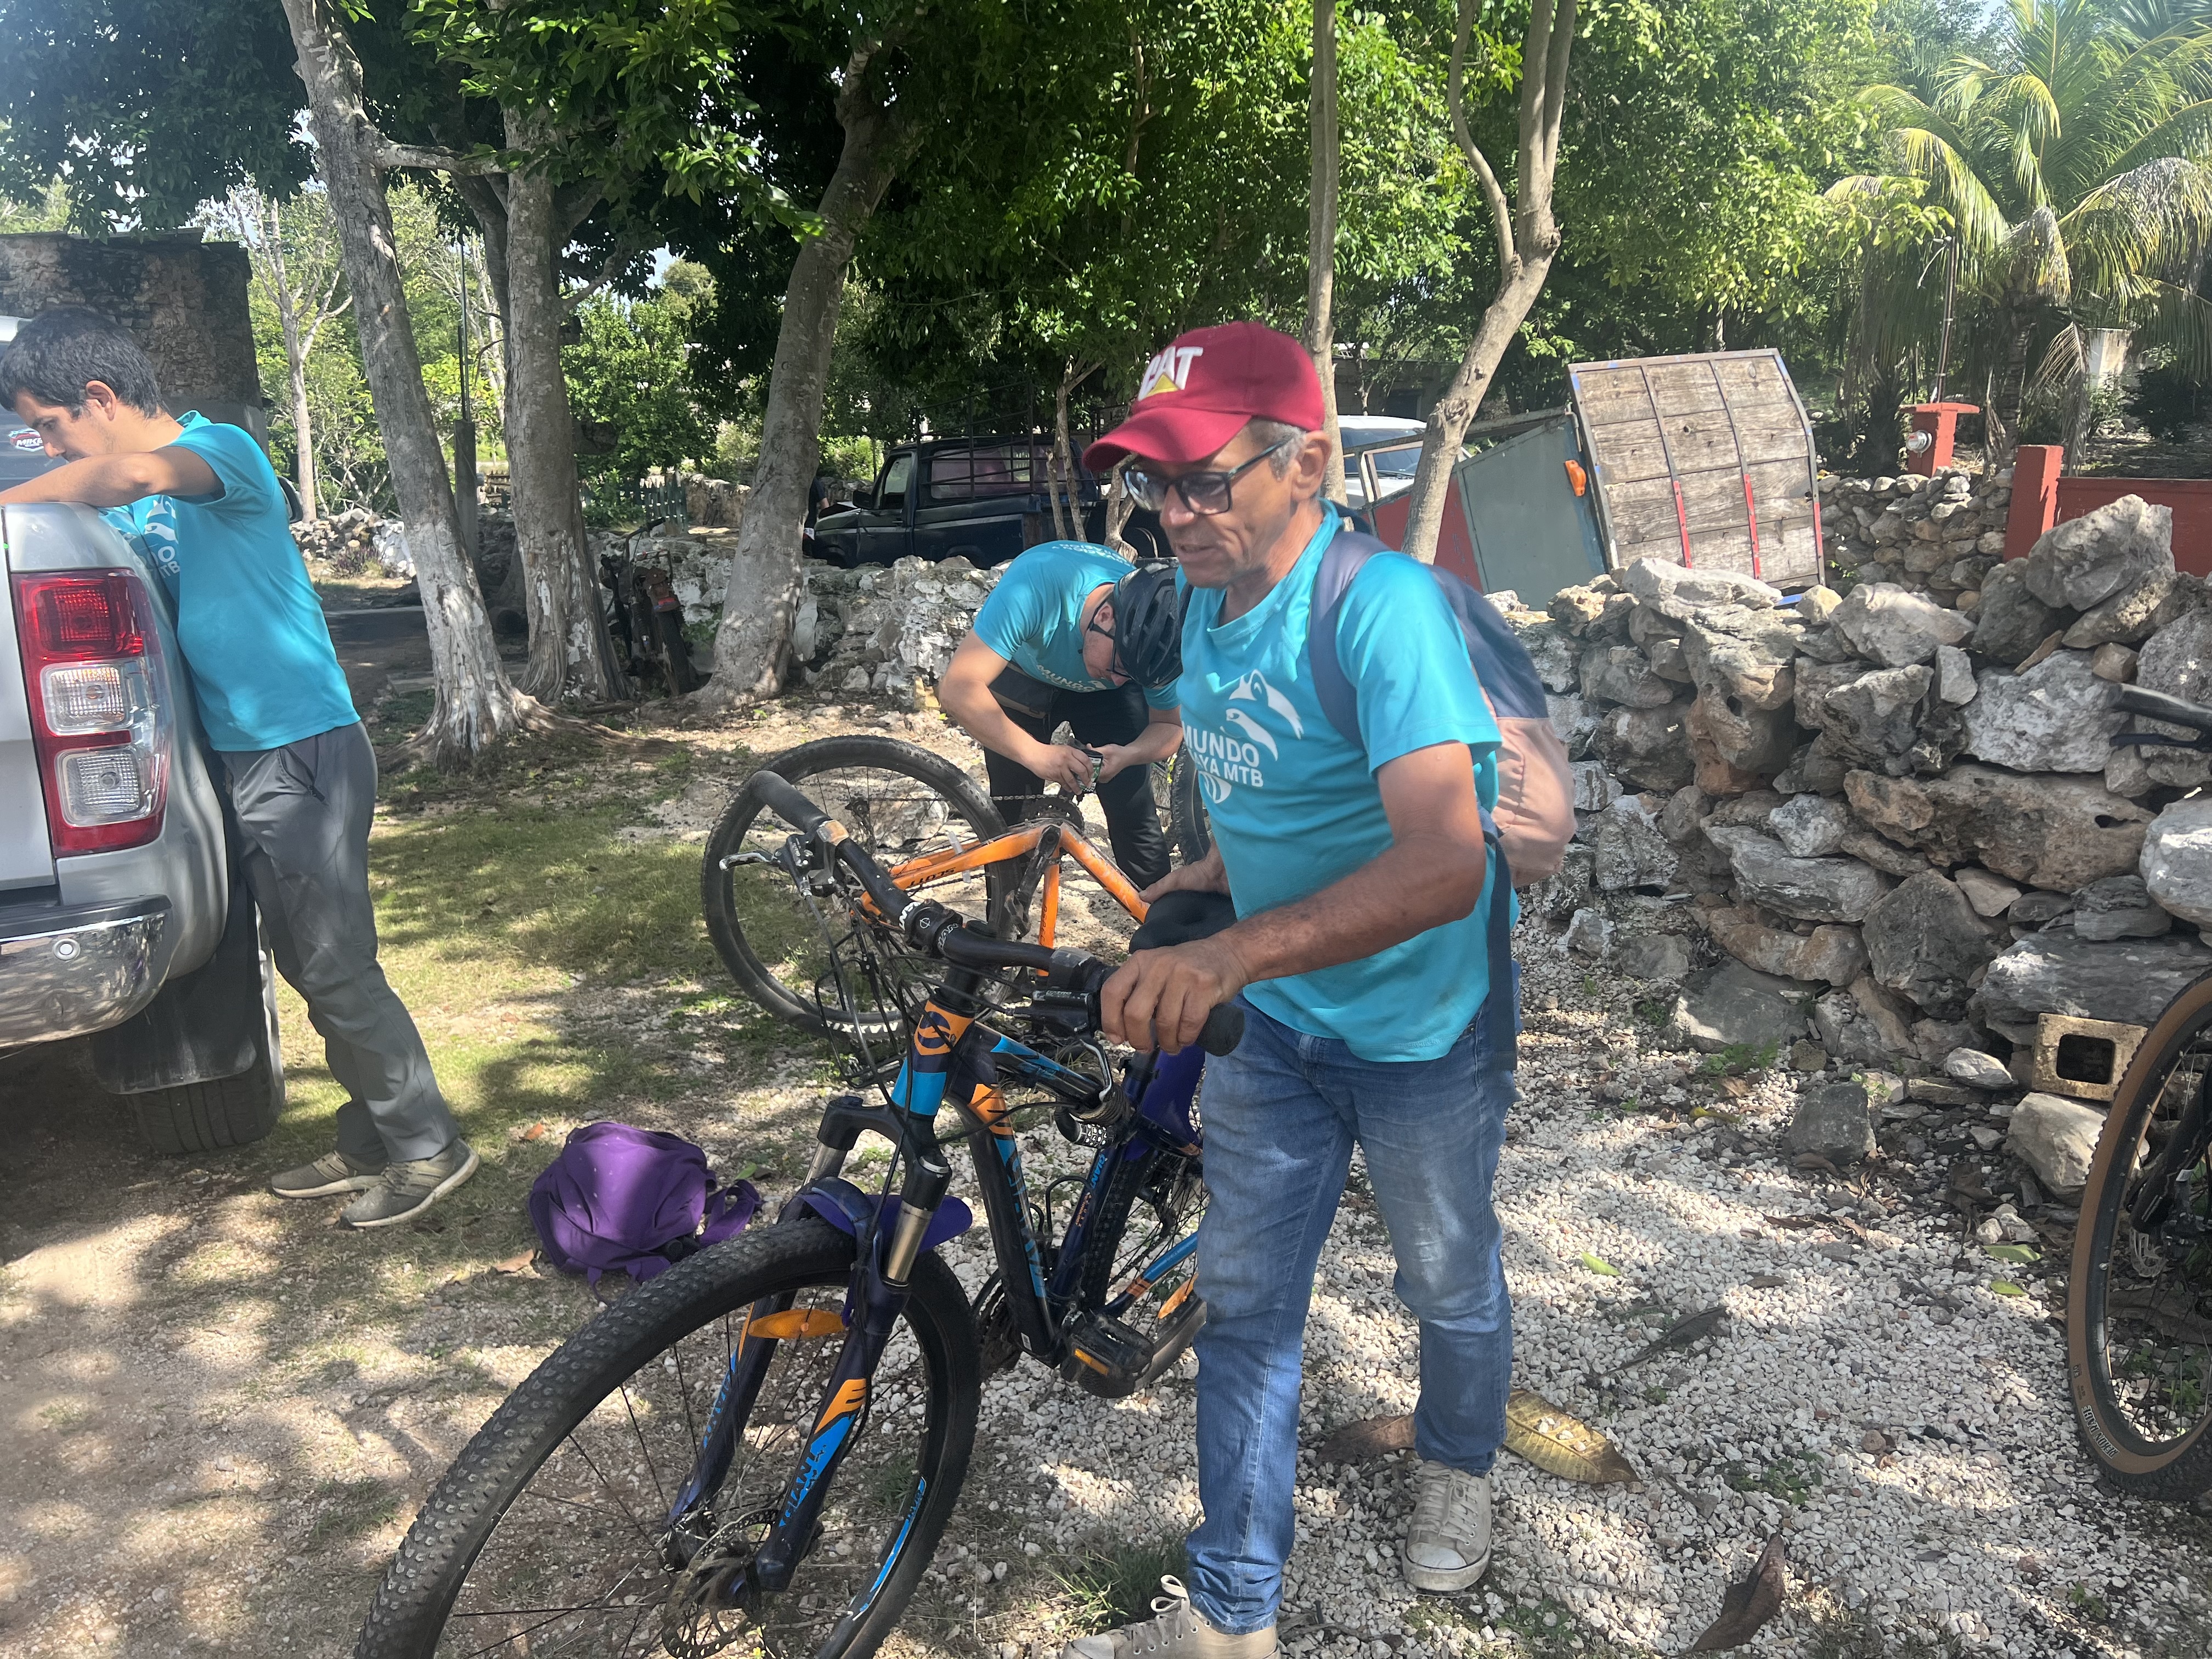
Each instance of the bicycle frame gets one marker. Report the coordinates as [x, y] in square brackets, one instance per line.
[951, 1057]
[1052, 835]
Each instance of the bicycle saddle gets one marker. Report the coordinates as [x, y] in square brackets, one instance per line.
[1179, 917]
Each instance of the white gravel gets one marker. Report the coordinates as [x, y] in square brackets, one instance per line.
[1974, 1524]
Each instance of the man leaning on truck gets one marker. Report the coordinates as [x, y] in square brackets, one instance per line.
[202, 501]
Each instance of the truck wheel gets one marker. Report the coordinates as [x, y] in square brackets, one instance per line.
[225, 1111]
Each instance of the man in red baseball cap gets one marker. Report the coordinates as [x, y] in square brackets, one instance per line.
[1353, 860]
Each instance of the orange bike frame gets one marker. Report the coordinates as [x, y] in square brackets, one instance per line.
[1019, 843]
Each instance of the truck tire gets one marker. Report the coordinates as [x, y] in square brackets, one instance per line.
[225, 1111]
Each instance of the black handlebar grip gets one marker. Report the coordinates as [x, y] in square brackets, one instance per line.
[2138, 700]
[788, 804]
[1223, 1030]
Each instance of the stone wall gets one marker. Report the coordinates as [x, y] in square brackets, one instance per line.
[183, 298]
[1941, 535]
[1894, 828]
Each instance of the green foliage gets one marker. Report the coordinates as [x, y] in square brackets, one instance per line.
[1739, 1058]
[1792, 1478]
[627, 373]
[2166, 400]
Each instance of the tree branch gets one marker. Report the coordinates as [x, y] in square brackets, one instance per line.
[388, 156]
[612, 268]
[1454, 95]
[1555, 88]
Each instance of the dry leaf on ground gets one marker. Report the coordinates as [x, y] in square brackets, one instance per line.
[1371, 1437]
[1559, 1444]
[1748, 1605]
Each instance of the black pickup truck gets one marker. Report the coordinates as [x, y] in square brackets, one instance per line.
[985, 499]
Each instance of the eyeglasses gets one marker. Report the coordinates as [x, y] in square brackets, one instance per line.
[1091, 626]
[1201, 492]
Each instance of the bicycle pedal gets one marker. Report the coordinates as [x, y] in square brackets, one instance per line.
[1175, 1333]
[1106, 1357]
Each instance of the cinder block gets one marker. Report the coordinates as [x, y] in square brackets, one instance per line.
[2083, 1058]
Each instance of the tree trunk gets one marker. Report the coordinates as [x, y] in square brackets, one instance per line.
[475, 706]
[1065, 473]
[570, 654]
[1320, 234]
[1449, 415]
[297, 344]
[302, 434]
[766, 568]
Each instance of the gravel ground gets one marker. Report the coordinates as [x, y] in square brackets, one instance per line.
[199, 1455]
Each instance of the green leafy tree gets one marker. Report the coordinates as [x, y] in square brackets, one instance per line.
[2071, 157]
[628, 373]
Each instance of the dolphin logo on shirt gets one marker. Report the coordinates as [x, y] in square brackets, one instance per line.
[1252, 729]
[1253, 688]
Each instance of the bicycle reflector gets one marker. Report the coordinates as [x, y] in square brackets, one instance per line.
[102, 732]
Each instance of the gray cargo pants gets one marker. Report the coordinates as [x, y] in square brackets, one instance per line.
[305, 810]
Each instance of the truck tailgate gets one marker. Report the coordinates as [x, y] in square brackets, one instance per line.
[26, 860]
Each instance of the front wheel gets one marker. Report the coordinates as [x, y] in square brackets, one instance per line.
[560, 1528]
[2139, 1301]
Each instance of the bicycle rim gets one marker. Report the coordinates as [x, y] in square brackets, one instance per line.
[806, 963]
[580, 1555]
[2139, 1313]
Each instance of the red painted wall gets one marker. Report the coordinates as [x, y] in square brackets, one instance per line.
[1454, 552]
[2041, 498]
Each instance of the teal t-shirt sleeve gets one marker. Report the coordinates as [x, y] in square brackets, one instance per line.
[1161, 697]
[1401, 647]
[1016, 611]
[249, 484]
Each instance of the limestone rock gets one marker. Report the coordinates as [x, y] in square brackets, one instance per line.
[1731, 1006]
[2010, 621]
[1889, 717]
[1811, 890]
[1830, 955]
[1844, 1034]
[2176, 661]
[1810, 826]
[2056, 1139]
[2055, 832]
[2129, 980]
[1573, 719]
[1588, 934]
[1749, 811]
[1896, 627]
[2127, 616]
[1621, 674]
[1657, 579]
[1743, 655]
[1596, 788]
[2118, 907]
[1758, 741]
[1668, 663]
[1816, 604]
[1923, 941]
[1655, 956]
[1988, 894]
[1815, 769]
[1831, 1121]
[1933, 1040]
[1888, 1014]
[2035, 911]
[1954, 675]
[2086, 560]
[1553, 654]
[1575, 608]
[1649, 748]
[2055, 717]
[1977, 1070]
[1824, 645]
[1631, 852]
[1886, 856]
[2176, 860]
[1678, 819]
[2114, 663]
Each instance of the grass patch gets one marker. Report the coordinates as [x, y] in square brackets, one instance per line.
[1114, 1585]
[1792, 1478]
[1739, 1058]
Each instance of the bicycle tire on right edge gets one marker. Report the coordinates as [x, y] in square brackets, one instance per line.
[416, 1604]
[2179, 1467]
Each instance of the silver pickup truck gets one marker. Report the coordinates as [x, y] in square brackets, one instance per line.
[123, 916]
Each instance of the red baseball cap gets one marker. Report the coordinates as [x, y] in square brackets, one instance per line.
[1197, 395]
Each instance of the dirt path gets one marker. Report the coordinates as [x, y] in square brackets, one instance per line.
[217, 1414]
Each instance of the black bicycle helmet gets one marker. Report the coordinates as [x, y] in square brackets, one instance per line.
[1148, 625]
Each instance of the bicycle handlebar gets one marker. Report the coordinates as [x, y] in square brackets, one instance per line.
[2175, 711]
[939, 931]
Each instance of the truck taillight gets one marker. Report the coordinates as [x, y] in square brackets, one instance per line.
[92, 662]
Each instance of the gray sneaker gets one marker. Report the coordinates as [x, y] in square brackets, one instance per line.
[327, 1177]
[1175, 1629]
[409, 1186]
[1448, 1540]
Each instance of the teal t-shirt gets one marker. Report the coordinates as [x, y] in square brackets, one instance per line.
[1296, 807]
[252, 633]
[1034, 617]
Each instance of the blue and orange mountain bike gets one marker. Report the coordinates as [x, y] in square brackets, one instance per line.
[756, 1451]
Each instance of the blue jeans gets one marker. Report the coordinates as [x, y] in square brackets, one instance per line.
[1280, 1117]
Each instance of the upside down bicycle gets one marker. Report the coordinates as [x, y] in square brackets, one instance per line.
[756, 1451]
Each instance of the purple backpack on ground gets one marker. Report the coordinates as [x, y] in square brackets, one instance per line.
[621, 1197]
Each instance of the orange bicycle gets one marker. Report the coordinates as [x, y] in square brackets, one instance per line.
[930, 828]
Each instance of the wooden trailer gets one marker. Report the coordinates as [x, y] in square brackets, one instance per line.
[1705, 460]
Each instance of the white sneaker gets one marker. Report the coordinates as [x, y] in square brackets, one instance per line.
[1448, 1540]
[1175, 1628]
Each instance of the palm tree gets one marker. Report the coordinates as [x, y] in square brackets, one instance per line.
[2070, 153]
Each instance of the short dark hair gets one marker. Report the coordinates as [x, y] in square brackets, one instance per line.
[60, 352]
